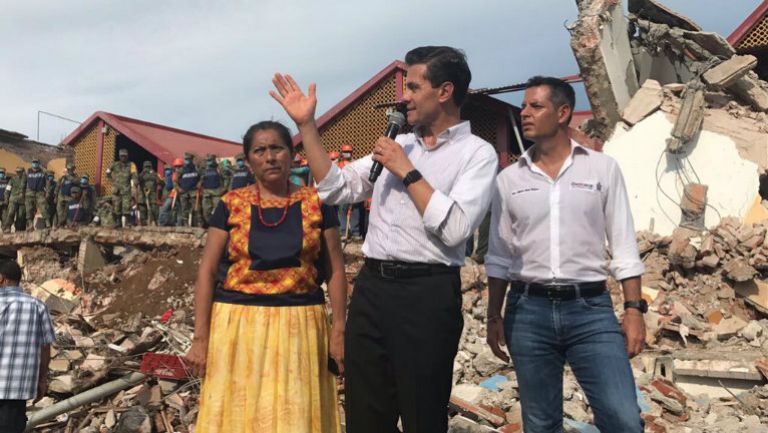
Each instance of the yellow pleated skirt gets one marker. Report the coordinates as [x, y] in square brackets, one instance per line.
[267, 372]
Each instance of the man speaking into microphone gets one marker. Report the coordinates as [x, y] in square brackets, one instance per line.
[405, 318]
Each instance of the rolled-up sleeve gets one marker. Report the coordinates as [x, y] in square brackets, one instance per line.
[453, 217]
[620, 229]
[498, 261]
[348, 185]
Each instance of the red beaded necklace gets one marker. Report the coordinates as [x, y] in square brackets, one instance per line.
[285, 211]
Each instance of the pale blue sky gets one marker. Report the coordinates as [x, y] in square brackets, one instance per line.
[206, 66]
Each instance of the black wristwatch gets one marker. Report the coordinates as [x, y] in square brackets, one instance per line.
[411, 177]
[640, 305]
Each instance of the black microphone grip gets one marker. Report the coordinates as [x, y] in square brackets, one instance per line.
[392, 129]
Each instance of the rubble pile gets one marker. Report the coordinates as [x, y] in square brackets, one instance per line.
[106, 321]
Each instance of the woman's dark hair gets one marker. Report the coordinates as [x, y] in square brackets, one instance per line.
[10, 270]
[265, 125]
[443, 64]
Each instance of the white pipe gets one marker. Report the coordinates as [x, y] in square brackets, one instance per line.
[86, 397]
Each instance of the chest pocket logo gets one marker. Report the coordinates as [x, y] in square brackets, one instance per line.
[589, 186]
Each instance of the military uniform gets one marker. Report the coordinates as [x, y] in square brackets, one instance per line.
[89, 194]
[51, 187]
[62, 196]
[241, 175]
[105, 215]
[34, 196]
[148, 182]
[16, 213]
[77, 211]
[3, 196]
[214, 185]
[121, 174]
[187, 181]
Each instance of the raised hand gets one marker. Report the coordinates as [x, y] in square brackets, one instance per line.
[300, 107]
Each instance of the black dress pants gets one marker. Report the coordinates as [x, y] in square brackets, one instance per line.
[13, 417]
[401, 339]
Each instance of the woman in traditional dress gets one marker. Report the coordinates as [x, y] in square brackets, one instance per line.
[262, 339]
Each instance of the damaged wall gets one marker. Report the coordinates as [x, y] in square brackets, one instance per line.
[649, 172]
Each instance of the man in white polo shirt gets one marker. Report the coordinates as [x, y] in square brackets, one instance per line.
[555, 215]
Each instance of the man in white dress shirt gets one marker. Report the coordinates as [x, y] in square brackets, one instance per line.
[555, 215]
[405, 319]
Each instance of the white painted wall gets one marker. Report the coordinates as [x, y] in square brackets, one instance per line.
[732, 181]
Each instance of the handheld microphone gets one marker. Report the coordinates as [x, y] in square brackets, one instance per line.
[395, 121]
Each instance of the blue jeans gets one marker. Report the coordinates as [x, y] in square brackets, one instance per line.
[354, 219]
[543, 334]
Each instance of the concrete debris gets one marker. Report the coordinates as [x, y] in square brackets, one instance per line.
[690, 118]
[727, 72]
[647, 100]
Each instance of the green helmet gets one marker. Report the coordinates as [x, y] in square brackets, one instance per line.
[147, 164]
[70, 166]
[37, 160]
[19, 169]
[188, 155]
[210, 157]
[240, 157]
[49, 173]
[122, 152]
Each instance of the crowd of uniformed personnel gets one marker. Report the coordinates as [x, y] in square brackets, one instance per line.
[185, 194]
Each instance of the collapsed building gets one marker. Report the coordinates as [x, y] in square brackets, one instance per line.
[676, 106]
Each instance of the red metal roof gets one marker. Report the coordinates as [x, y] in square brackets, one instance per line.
[751, 21]
[164, 142]
[354, 96]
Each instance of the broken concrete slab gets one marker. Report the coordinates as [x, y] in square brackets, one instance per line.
[749, 90]
[693, 205]
[721, 364]
[600, 42]
[755, 292]
[89, 256]
[712, 42]
[729, 327]
[659, 13]
[647, 100]
[689, 120]
[726, 73]
[151, 237]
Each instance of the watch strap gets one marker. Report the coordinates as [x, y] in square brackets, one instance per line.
[412, 176]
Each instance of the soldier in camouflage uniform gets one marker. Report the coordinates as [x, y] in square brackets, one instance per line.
[34, 196]
[3, 196]
[148, 183]
[62, 196]
[214, 185]
[16, 213]
[122, 174]
[105, 215]
[51, 187]
[78, 213]
[187, 182]
[241, 175]
[88, 193]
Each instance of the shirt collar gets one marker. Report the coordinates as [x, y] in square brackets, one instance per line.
[527, 156]
[456, 131]
[11, 289]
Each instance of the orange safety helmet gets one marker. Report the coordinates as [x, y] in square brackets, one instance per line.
[334, 154]
[178, 162]
[346, 148]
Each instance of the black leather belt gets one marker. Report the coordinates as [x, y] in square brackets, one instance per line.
[390, 269]
[560, 292]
